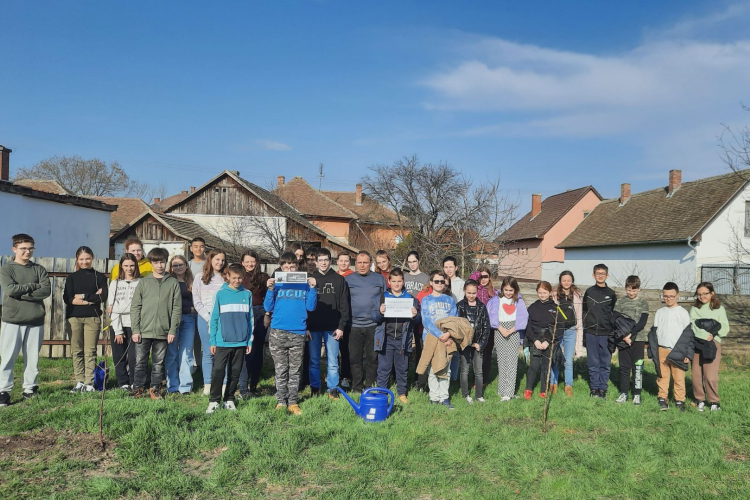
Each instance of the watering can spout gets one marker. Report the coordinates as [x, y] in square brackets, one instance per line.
[349, 400]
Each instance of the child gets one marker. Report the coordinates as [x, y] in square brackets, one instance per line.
[705, 370]
[542, 315]
[205, 286]
[673, 344]
[134, 246]
[568, 297]
[231, 336]
[630, 349]
[475, 311]
[288, 305]
[179, 359]
[438, 305]
[598, 304]
[120, 299]
[255, 282]
[509, 317]
[85, 292]
[155, 316]
[198, 250]
[24, 285]
[393, 337]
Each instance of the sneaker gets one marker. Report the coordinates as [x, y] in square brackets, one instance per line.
[229, 405]
[701, 406]
[154, 393]
[294, 409]
[137, 392]
[542, 395]
[637, 399]
[481, 400]
[663, 406]
[30, 393]
[622, 398]
[527, 395]
[715, 407]
[125, 387]
[469, 400]
[280, 406]
[447, 404]
[507, 398]
[568, 391]
[88, 388]
[242, 395]
[212, 407]
[434, 402]
[419, 388]
[403, 399]
[345, 383]
[333, 396]
[593, 393]
[680, 405]
[602, 394]
[77, 388]
[207, 389]
[4, 399]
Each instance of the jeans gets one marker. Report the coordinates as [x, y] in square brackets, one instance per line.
[123, 356]
[207, 362]
[250, 374]
[226, 358]
[24, 339]
[332, 359]
[179, 360]
[569, 348]
[362, 356]
[598, 359]
[84, 332]
[454, 367]
[471, 357]
[158, 350]
[392, 354]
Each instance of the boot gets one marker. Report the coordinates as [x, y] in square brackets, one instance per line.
[569, 391]
[154, 394]
[553, 388]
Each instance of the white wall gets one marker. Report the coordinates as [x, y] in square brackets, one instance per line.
[58, 229]
[654, 264]
[720, 238]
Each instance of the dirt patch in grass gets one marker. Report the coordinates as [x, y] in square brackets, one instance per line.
[202, 466]
[733, 455]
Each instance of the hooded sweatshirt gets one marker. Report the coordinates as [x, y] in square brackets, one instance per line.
[24, 288]
[232, 318]
[144, 268]
[120, 299]
[365, 292]
[332, 311]
[203, 295]
[290, 304]
[157, 307]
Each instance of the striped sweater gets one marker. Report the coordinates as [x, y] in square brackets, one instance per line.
[231, 322]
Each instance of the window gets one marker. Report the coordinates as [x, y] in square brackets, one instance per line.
[586, 214]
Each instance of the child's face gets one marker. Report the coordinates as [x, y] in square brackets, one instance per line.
[136, 250]
[249, 263]
[197, 248]
[508, 292]
[23, 251]
[158, 267]
[84, 260]
[234, 280]
[343, 263]
[543, 294]
[289, 268]
[670, 297]
[412, 262]
[566, 282]
[470, 292]
[381, 262]
[396, 283]
[217, 263]
[299, 253]
[631, 292]
[484, 278]
[323, 263]
[438, 284]
[600, 276]
[704, 295]
[449, 268]
[128, 267]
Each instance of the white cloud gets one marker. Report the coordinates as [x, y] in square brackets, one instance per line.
[271, 145]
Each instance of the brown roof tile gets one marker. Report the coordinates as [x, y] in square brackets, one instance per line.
[167, 202]
[310, 202]
[652, 216]
[369, 211]
[553, 209]
[127, 210]
[47, 186]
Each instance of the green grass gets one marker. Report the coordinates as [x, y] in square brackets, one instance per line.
[171, 449]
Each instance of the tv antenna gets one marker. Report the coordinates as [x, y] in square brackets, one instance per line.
[320, 176]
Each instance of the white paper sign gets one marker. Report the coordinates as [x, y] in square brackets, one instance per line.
[398, 308]
[284, 278]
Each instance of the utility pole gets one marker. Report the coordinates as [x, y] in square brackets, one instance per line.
[320, 176]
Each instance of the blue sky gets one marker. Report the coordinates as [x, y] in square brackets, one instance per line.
[546, 95]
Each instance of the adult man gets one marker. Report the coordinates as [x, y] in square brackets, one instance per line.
[457, 284]
[198, 249]
[133, 245]
[365, 289]
[415, 279]
[327, 322]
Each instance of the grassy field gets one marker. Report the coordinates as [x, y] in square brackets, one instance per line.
[49, 447]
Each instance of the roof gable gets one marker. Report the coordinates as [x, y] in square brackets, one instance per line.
[369, 211]
[553, 209]
[308, 201]
[654, 217]
[127, 210]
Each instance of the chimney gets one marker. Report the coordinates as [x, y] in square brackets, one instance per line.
[536, 204]
[5, 163]
[183, 192]
[156, 201]
[280, 181]
[358, 194]
[192, 189]
[675, 180]
[624, 193]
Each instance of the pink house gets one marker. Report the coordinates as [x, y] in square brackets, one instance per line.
[531, 242]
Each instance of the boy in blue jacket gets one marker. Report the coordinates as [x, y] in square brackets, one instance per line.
[288, 304]
[230, 334]
[393, 336]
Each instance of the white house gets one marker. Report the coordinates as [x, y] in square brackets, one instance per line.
[675, 233]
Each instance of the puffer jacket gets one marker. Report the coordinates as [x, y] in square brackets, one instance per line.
[684, 348]
[481, 322]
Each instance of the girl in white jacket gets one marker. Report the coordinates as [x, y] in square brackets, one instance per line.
[120, 295]
[205, 287]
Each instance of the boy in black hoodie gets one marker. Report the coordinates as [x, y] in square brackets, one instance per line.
[539, 334]
[327, 322]
[598, 306]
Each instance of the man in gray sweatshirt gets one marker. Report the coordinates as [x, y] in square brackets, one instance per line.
[24, 286]
[365, 290]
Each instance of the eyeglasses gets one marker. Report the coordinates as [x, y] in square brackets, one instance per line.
[669, 297]
[439, 282]
[484, 276]
[708, 294]
[25, 249]
[177, 265]
[324, 259]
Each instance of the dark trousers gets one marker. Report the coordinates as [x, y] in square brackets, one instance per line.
[489, 348]
[598, 359]
[345, 369]
[158, 350]
[627, 358]
[363, 361]
[123, 356]
[421, 379]
[254, 360]
[304, 379]
[539, 361]
[392, 355]
[470, 357]
[226, 356]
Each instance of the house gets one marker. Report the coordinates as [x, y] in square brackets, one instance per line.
[58, 222]
[127, 210]
[45, 185]
[665, 234]
[529, 247]
[349, 216]
[160, 205]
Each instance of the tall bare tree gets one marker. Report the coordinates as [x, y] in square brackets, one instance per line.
[91, 177]
[735, 148]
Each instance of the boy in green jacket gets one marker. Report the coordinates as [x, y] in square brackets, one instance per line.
[155, 315]
[24, 285]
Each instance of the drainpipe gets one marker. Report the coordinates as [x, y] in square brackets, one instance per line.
[695, 253]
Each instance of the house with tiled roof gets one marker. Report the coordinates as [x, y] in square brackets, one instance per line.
[127, 210]
[162, 205]
[44, 185]
[350, 216]
[679, 232]
[529, 246]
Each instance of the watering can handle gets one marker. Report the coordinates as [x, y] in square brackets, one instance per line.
[381, 389]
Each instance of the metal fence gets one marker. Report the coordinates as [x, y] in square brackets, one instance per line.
[728, 279]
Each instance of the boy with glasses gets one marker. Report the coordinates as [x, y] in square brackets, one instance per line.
[24, 285]
[598, 305]
[670, 323]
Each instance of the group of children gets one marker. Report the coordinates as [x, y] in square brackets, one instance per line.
[154, 313]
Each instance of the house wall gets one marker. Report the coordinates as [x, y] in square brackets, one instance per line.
[58, 229]
[334, 227]
[724, 241]
[152, 234]
[654, 264]
[564, 227]
[225, 197]
[522, 260]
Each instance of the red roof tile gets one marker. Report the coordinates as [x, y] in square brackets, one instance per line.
[369, 211]
[47, 186]
[310, 202]
[127, 210]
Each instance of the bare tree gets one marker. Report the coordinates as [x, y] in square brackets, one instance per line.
[237, 234]
[145, 191]
[78, 176]
[439, 209]
[739, 253]
[735, 148]
[618, 277]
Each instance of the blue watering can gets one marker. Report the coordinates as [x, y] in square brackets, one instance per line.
[373, 404]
